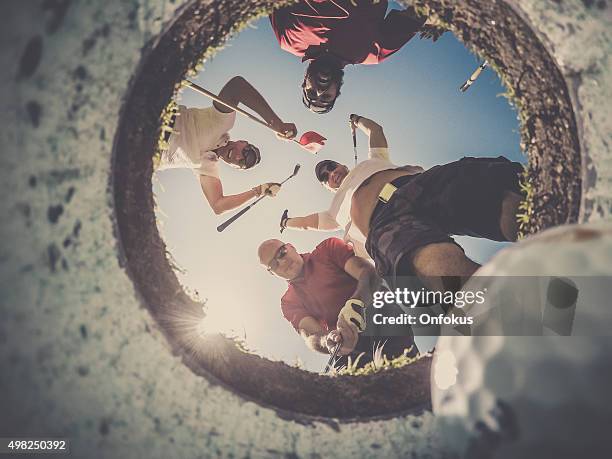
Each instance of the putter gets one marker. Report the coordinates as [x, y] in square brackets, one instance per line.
[332, 357]
[465, 86]
[233, 218]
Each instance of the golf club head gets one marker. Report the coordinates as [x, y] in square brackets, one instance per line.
[295, 170]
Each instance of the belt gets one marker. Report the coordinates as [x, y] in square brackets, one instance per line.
[389, 188]
[387, 192]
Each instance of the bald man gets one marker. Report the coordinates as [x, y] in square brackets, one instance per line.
[328, 290]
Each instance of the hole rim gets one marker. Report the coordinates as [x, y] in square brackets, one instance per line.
[141, 246]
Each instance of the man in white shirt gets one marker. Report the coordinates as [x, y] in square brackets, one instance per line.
[408, 214]
[200, 139]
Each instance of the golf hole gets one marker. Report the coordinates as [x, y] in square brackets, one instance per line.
[548, 134]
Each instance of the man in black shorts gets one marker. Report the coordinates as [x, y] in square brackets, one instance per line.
[408, 214]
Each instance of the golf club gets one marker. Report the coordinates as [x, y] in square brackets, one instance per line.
[465, 86]
[354, 131]
[332, 357]
[310, 141]
[233, 218]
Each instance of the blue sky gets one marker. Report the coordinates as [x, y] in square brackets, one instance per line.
[413, 95]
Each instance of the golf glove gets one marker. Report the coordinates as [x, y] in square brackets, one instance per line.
[269, 189]
[353, 312]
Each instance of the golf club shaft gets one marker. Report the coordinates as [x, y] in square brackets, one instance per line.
[354, 129]
[464, 87]
[233, 218]
[333, 356]
[216, 98]
[291, 176]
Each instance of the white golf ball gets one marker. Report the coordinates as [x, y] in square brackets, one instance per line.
[535, 396]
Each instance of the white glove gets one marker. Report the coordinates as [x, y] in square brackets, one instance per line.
[270, 189]
[352, 312]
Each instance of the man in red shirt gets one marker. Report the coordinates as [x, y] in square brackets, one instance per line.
[334, 33]
[328, 290]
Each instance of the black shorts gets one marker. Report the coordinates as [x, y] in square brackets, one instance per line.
[460, 198]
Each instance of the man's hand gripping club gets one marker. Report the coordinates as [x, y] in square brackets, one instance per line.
[351, 318]
[350, 323]
[269, 189]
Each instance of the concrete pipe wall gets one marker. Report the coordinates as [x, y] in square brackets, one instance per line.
[81, 356]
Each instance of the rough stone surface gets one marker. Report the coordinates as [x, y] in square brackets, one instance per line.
[579, 35]
[79, 356]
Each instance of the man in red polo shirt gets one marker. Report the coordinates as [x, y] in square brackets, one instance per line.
[332, 34]
[328, 290]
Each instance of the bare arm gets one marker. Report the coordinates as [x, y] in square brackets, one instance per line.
[313, 221]
[368, 280]
[373, 130]
[240, 91]
[219, 203]
[305, 223]
[314, 334]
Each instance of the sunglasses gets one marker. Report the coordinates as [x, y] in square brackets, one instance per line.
[250, 157]
[325, 170]
[278, 256]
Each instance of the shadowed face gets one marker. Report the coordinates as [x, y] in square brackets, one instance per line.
[240, 154]
[321, 85]
[280, 259]
[331, 174]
